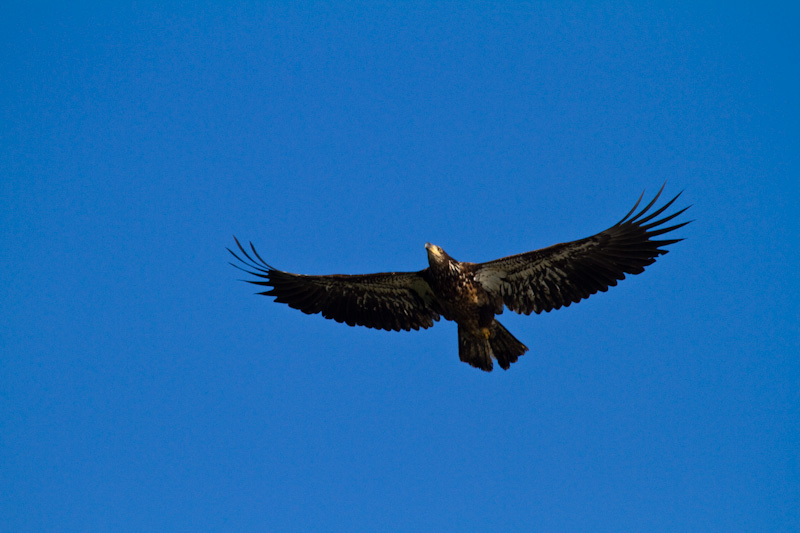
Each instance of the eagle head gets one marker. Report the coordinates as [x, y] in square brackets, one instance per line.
[437, 256]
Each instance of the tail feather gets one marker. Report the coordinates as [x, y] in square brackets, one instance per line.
[507, 349]
[475, 349]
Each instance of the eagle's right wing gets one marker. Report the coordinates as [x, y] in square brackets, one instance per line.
[389, 300]
[566, 273]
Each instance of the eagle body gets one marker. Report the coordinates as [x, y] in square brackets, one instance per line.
[460, 296]
[473, 294]
[465, 301]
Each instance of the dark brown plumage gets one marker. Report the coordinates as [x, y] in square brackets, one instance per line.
[471, 294]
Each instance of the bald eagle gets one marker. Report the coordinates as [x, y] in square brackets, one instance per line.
[472, 294]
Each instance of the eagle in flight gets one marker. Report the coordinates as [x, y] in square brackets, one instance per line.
[472, 294]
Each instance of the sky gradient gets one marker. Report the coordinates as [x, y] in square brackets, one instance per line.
[144, 387]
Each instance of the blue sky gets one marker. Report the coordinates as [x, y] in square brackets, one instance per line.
[145, 388]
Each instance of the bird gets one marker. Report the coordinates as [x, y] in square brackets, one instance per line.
[473, 294]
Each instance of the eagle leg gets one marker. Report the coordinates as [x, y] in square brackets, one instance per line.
[474, 348]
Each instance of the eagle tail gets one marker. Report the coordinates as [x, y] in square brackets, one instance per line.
[478, 347]
[507, 349]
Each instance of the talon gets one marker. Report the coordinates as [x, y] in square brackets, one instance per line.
[486, 332]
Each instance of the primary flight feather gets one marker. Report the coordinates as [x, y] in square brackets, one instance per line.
[472, 294]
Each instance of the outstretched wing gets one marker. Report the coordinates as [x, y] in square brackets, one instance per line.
[557, 276]
[389, 300]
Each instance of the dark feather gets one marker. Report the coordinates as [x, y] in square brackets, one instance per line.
[388, 300]
[566, 273]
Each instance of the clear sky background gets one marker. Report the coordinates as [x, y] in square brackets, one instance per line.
[143, 387]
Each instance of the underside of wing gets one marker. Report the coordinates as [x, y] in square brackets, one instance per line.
[557, 276]
[390, 300]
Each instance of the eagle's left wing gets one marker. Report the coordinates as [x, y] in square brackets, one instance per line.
[566, 273]
[388, 300]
